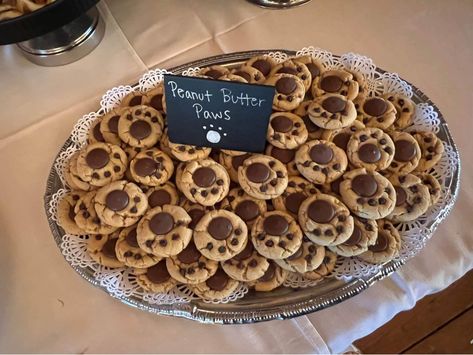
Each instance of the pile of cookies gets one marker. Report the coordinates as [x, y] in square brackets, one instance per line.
[339, 171]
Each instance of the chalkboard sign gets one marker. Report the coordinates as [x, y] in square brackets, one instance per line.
[217, 114]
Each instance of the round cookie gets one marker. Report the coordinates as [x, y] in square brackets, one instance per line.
[155, 279]
[314, 131]
[163, 231]
[298, 189]
[290, 91]
[95, 135]
[263, 63]
[335, 81]
[159, 196]
[313, 65]
[412, 198]
[246, 266]
[250, 74]
[220, 235]
[262, 177]
[101, 163]
[296, 68]
[156, 98]
[190, 266]
[232, 163]
[364, 234]
[244, 206]
[286, 130]
[151, 167]
[65, 212]
[184, 152]
[101, 248]
[406, 153]
[376, 112]
[109, 126]
[433, 185]
[328, 265]
[405, 110]
[216, 287]
[129, 253]
[285, 156]
[276, 235]
[308, 257]
[431, 150]
[341, 136]
[134, 99]
[320, 161]
[387, 246]
[72, 178]
[332, 111]
[140, 126]
[325, 220]
[370, 148]
[120, 204]
[214, 71]
[368, 194]
[86, 218]
[204, 181]
[272, 278]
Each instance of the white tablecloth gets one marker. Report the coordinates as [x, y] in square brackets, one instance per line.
[46, 307]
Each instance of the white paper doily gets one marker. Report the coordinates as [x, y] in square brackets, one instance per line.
[121, 282]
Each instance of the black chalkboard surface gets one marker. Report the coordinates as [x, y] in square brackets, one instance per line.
[217, 114]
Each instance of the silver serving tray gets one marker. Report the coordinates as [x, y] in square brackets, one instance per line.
[282, 303]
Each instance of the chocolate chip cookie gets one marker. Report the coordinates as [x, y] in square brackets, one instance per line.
[184, 152]
[134, 98]
[72, 178]
[120, 204]
[214, 71]
[412, 198]
[101, 248]
[315, 66]
[370, 148]
[109, 126]
[335, 81]
[364, 234]
[262, 177]
[220, 235]
[129, 252]
[250, 74]
[296, 68]
[285, 156]
[219, 286]
[156, 98]
[140, 126]
[247, 265]
[368, 194]
[66, 214]
[407, 153]
[276, 235]
[272, 278]
[433, 185]
[290, 91]
[332, 111]
[387, 246]
[431, 150]
[86, 218]
[308, 257]
[162, 195]
[328, 265]
[190, 266]
[263, 63]
[405, 110]
[163, 231]
[286, 130]
[376, 112]
[205, 182]
[243, 205]
[155, 279]
[320, 161]
[298, 189]
[325, 220]
[232, 163]
[151, 167]
[314, 131]
[341, 136]
[101, 163]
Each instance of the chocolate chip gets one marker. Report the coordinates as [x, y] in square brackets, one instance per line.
[252, 263]
[282, 244]
[260, 236]
[149, 243]
[269, 243]
[163, 242]
[221, 249]
[363, 137]
[234, 241]
[328, 232]
[175, 236]
[127, 254]
[209, 246]
[317, 232]
[382, 201]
